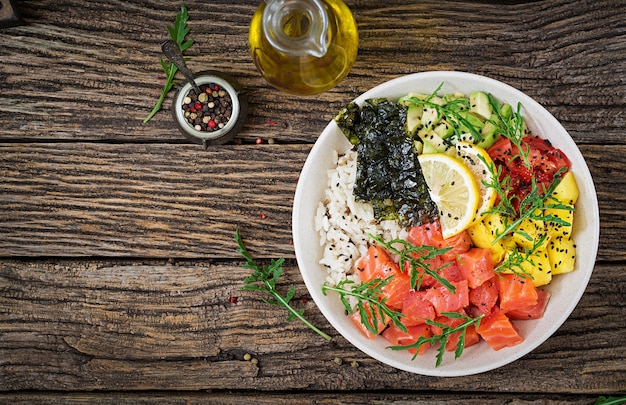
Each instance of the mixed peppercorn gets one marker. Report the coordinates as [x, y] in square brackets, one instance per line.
[210, 110]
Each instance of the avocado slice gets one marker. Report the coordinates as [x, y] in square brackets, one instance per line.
[479, 104]
[429, 148]
[413, 118]
[430, 117]
[435, 141]
[506, 111]
[444, 129]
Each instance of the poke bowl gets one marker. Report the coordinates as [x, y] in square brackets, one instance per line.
[565, 290]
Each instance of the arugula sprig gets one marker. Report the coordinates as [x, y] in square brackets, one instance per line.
[532, 206]
[452, 111]
[264, 278]
[513, 128]
[370, 305]
[514, 261]
[442, 338]
[417, 256]
[178, 33]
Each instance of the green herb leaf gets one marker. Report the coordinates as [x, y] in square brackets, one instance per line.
[370, 306]
[442, 339]
[177, 33]
[417, 257]
[453, 111]
[264, 278]
[532, 206]
[513, 128]
[610, 400]
[515, 260]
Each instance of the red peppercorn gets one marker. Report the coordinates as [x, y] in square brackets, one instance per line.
[198, 106]
[216, 88]
[232, 299]
[262, 216]
[259, 141]
[212, 124]
[192, 109]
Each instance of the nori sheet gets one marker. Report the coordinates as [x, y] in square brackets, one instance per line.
[389, 175]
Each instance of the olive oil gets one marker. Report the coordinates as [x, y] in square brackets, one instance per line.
[303, 47]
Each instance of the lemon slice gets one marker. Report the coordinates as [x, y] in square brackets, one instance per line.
[453, 189]
[478, 162]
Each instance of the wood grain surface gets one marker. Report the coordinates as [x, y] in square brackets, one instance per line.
[119, 279]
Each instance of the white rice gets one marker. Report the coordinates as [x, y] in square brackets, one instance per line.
[344, 223]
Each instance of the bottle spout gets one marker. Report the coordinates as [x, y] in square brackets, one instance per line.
[297, 27]
[318, 46]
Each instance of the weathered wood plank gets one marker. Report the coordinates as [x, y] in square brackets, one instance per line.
[295, 398]
[151, 325]
[101, 61]
[153, 200]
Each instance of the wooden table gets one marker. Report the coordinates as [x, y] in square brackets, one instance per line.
[119, 279]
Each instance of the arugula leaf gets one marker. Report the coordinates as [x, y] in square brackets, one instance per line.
[514, 261]
[532, 206]
[370, 306]
[178, 33]
[417, 256]
[513, 128]
[442, 339]
[264, 278]
[453, 112]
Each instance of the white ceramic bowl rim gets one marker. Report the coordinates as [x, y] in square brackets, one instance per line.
[566, 290]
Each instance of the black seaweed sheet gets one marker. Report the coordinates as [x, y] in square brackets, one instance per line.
[388, 175]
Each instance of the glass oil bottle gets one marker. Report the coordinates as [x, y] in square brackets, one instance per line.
[303, 47]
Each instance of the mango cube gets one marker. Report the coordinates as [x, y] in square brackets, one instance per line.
[562, 255]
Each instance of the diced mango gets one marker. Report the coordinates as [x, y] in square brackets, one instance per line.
[485, 231]
[567, 189]
[562, 255]
[529, 232]
[554, 229]
[538, 267]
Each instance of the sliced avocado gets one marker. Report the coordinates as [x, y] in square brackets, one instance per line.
[429, 148]
[450, 101]
[513, 123]
[437, 100]
[506, 111]
[444, 129]
[489, 129]
[452, 152]
[472, 119]
[488, 140]
[479, 104]
[454, 96]
[406, 100]
[464, 137]
[430, 117]
[413, 118]
[418, 144]
[467, 137]
[437, 142]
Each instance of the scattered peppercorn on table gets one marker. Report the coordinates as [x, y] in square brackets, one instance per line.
[120, 278]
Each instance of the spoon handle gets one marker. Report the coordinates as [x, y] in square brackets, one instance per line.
[173, 53]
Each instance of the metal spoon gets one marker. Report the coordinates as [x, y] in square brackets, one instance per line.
[173, 53]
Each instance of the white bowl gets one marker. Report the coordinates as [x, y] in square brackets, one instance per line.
[565, 289]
